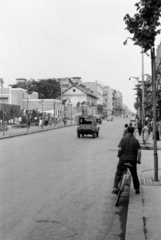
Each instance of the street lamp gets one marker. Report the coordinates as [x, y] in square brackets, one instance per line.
[137, 78]
[42, 112]
[142, 66]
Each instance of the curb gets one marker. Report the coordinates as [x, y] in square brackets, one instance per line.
[143, 147]
[27, 133]
[135, 228]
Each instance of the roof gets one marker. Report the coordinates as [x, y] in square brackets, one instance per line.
[76, 77]
[83, 116]
[88, 92]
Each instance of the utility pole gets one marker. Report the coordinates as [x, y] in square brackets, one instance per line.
[154, 114]
[143, 97]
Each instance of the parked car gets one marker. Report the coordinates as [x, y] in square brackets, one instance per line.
[87, 125]
[110, 118]
[98, 119]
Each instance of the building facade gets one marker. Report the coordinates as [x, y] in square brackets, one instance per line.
[117, 102]
[108, 98]
[97, 90]
[79, 94]
[15, 96]
[19, 97]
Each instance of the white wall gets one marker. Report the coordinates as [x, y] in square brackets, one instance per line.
[75, 96]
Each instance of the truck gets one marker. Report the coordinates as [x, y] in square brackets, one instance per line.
[87, 125]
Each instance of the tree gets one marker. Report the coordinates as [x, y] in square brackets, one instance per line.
[20, 85]
[144, 27]
[144, 24]
[47, 89]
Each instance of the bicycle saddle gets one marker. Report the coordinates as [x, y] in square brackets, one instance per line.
[128, 165]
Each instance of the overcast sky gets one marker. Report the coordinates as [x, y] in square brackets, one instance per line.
[68, 38]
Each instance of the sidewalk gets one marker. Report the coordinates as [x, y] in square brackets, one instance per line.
[144, 212]
[14, 132]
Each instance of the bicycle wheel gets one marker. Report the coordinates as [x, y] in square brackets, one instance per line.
[118, 198]
[121, 188]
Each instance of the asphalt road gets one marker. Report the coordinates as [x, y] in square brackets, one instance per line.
[54, 186]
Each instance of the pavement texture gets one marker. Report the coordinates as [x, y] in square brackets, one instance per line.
[144, 212]
[14, 132]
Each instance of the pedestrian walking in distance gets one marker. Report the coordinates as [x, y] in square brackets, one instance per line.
[40, 123]
[125, 130]
[139, 127]
[145, 132]
[159, 128]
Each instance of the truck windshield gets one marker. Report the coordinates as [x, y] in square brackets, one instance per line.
[85, 121]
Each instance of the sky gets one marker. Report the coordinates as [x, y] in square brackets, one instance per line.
[69, 38]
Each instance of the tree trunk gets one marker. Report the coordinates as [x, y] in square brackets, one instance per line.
[154, 114]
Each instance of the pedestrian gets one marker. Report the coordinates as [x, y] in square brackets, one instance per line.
[129, 151]
[125, 130]
[159, 128]
[139, 127]
[40, 123]
[65, 121]
[29, 122]
[56, 120]
[145, 132]
[46, 120]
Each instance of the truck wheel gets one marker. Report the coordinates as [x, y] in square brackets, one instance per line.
[97, 134]
[94, 135]
[78, 135]
[82, 135]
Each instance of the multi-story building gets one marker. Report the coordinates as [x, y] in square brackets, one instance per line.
[68, 82]
[97, 89]
[117, 102]
[108, 98]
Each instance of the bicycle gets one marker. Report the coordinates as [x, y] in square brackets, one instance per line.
[124, 181]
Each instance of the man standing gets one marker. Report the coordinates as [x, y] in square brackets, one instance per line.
[140, 127]
[125, 131]
[128, 151]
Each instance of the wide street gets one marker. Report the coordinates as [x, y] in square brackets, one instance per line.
[54, 186]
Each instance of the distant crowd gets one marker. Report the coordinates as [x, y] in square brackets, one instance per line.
[146, 129]
[40, 121]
